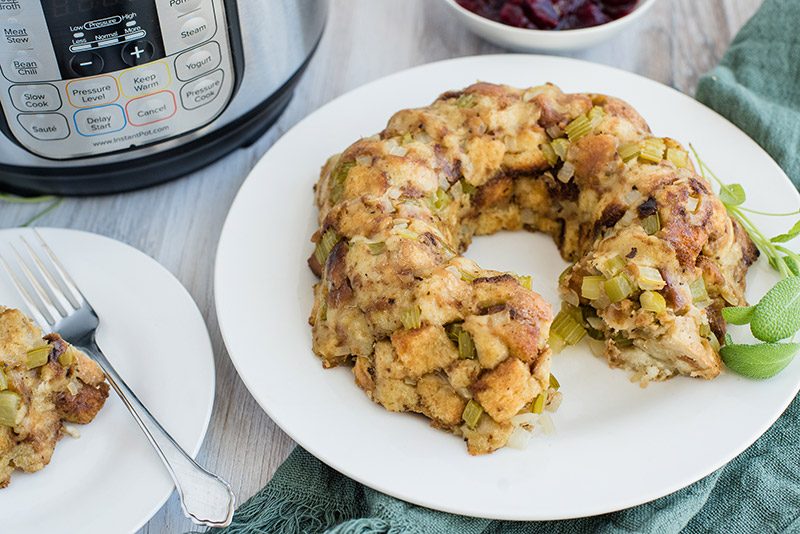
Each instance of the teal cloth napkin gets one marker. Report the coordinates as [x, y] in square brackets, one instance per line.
[757, 86]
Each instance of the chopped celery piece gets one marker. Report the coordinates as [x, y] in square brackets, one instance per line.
[462, 338]
[650, 279]
[596, 115]
[592, 287]
[37, 357]
[9, 408]
[628, 151]
[712, 339]
[652, 150]
[567, 326]
[618, 288]
[411, 318]
[615, 265]
[467, 187]
[698, 289]
[537, 406]
[652, 301]
[379, 247]
[466, 101]
[440, 200]
[323, 310]
[3, 381]
[678, 157]
[407, 138]
[549, 154]
[578, 128]
[338, 178]
[525, 281]
[651, 224]
[556, 343]
[704, 329]
[472, 413]
[67, 358]
[554, 382]
[325, 245]
[560, 147]
[564, 274]
[467, 276]
[406, 233]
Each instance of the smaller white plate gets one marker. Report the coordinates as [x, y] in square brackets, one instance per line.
[110, 480]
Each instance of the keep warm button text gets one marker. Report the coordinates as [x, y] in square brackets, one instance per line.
[149, 109]
[100, 121]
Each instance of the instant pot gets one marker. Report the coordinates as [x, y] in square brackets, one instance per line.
[101, 96]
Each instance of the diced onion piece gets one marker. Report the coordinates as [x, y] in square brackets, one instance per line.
[472, 413]
[698, 289]
[525, 281]
[615, 265]
[377, 248]
[651, 224]
[411, 318]
[325, 245]
[519, 439]
[72, 387]
[692, 203]
[566, 172]
[652, 301]
[567, 327]
[618, 288]
[37, 357]
[524, 419]
[596, 323]
[537, 406]
[678, 157]
[578, 128]
[554, 131]
[554, 402]
[554, 382]
[628, 151]
[592, 287]
[652, 150]
[547, 424]
[3, 381]
[549, 154]
[560, 147]
[9, 408]
[364, 161]
[398, 151]
[71, 431]
[338, 178]
[650, 279]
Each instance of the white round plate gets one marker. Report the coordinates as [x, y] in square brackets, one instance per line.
[616, 445]
[110, 480]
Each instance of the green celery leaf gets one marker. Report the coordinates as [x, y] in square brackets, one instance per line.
[732, 195]
[738, 314]
[759, 361]
[793, 232]
[777, 315]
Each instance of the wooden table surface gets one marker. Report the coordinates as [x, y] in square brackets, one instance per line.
[179, 223]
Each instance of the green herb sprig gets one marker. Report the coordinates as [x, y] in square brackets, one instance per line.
[776, 317]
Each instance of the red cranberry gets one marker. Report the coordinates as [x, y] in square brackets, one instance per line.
[542, 13]
[513, 15]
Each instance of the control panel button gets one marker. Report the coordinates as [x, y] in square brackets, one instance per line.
[100, 121]
[149, 109]
[45, 126]
[15, 35]
[199, 61]
[92, 91]
[86, 64]
[24, 66]
[138, 52]
[42, 97]
[145, 80]
[203, 91]
[194, 31]
[184, 6]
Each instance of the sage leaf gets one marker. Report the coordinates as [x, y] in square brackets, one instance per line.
[759, 361]
[732, 195]
[793, 232]
[777, 315]
[738, 314]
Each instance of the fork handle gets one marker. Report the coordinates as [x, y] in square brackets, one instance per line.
[205, 498]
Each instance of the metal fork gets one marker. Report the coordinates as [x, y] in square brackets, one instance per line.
[56, 303]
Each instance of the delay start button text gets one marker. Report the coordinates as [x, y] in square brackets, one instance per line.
[100, 121]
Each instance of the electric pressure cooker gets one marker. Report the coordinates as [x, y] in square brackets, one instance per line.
[100, 96]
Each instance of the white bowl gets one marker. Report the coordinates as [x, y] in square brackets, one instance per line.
[525, 40]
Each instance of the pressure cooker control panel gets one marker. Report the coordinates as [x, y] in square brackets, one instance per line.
[88, 77]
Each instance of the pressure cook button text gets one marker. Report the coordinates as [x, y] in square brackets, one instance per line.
[145, 80]
[150, 109]
[100, 121]
[203, 91]
[92, 92]
[45, 126]
[198, 61]
[40, 97]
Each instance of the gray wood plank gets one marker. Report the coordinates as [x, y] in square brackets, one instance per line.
[179, 223]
